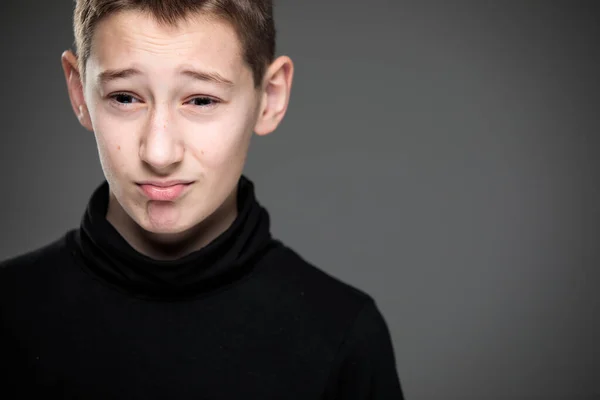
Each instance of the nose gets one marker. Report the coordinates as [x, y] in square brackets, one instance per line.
[161, 146]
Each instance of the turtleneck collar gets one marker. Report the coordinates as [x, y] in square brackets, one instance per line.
[229, 257]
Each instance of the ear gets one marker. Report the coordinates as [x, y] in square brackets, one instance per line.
[276, 88]
[75, 88]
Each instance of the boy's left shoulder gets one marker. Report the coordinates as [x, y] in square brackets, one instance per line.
[300, 281]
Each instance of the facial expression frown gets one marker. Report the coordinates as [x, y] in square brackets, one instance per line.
[173, 109]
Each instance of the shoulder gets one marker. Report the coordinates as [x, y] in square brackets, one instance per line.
[31, 257]
[297, 275]
[325, 303]
[25, 265]
[345, 319]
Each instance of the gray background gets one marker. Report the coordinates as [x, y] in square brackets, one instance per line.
[438, 155]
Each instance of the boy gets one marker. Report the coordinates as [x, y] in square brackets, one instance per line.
[172, 287]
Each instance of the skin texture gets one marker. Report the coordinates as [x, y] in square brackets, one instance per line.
[162, 123]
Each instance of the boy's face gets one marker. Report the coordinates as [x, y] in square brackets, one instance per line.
[173, 104]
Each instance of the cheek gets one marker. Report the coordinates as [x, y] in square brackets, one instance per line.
[112, 148]
[224, 143]
[225, 151]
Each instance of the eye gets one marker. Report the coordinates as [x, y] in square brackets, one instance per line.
[203, 102]
[123, 98]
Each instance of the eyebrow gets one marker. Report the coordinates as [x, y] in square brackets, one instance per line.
[113, 74]
[214, 77]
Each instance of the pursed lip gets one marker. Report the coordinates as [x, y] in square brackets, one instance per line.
[164, 190]
[164, 184]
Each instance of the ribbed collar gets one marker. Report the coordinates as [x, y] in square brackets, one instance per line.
[231, 256]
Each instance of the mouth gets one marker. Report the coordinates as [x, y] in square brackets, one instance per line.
[164, 191]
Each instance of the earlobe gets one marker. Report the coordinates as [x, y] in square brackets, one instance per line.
[75, 88]
[82, 114]
[275, 95]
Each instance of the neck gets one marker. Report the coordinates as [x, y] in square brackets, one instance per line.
[172, 246]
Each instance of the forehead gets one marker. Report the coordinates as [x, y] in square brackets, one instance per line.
[136, 38]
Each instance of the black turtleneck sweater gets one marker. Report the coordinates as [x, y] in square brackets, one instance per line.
[88, 317]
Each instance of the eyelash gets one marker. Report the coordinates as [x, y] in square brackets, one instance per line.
[114, 97]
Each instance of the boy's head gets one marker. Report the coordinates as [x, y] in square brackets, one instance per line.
[251, 19]
[173, 90]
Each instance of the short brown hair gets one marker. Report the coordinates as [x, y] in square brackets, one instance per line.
[251, 19]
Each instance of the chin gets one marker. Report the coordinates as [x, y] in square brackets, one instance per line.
[166, 227]
[165, 230]
[164, 221]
